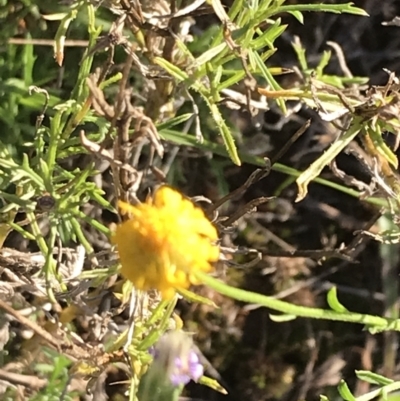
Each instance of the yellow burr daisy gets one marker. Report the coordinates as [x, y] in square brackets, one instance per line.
[164, 241]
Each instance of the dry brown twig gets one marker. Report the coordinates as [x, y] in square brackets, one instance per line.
[144, 126]
[246, 209]
[350, 180]
[125, 176]
[33, 382]
[291, 141]
[256, 176]
[49, 338]
[96, 149]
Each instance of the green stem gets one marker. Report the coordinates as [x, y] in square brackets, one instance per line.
[81, 237]
[390, 261]
[376, 393]
[328, 8]
[296, 310]
[40, 241]
[49, 267]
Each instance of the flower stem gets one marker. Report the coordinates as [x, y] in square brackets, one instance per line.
[377, 323]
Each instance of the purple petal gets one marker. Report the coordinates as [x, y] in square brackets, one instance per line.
[196, 371]
[193, 357]
[179, 378]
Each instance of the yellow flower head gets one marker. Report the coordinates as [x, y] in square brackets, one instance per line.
[164, 241]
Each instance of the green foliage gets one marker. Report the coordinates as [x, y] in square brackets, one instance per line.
[44, 123]
[58, 376]
[385, 388]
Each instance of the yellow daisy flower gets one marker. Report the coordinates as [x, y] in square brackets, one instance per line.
[164, 241]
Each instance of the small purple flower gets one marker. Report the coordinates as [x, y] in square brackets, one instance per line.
[184, 371]
[175, 356]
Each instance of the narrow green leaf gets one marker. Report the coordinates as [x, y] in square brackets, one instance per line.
[112, 80]
[96, 195]
[212, 383]
[316, 168]
[345, 391]
[25, 234]
[77, 229]
[174, 121]
[23, 201]
[44, 170]
[333, 301]
[209, 55]
[61, 34]
[347, 8]
[380, 392]
[269, 78]
[382, 147]
[384, 394]
[195, 298]
[282, 318]
[373, 378]
[326, 56]
[224, 131]
[298, 15]
[93, 222]
[35, 178]
[172, 69]
[301, 55]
